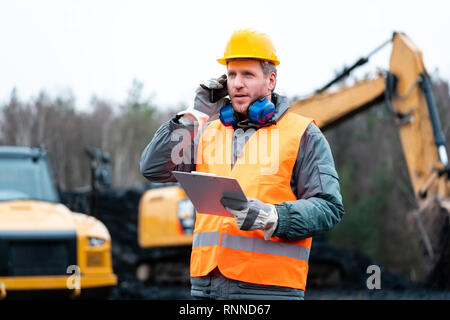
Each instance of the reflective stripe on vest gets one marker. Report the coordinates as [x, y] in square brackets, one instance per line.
[206, 239]
[218, 242]
[265, 246]
[251, 244]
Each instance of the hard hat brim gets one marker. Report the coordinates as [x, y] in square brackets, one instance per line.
[223, 61]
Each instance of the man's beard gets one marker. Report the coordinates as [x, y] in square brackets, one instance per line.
[241, 108]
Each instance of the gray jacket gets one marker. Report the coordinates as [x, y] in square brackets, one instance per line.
[314, 179]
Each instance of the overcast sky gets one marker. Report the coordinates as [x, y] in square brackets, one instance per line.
[99, 47]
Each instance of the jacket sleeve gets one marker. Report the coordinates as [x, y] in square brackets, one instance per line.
[170, 149]
[316, 184]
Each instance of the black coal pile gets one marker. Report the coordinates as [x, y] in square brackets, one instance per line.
[340, 269]
[118, 210]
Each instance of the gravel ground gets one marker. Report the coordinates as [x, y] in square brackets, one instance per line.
[330, 294]
[139, 291]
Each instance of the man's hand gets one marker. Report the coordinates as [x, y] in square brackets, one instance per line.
[209, 99]
[253, 215]
[209, 95]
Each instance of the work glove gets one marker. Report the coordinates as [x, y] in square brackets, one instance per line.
[215, 89]
[253, 215]
[209, 99]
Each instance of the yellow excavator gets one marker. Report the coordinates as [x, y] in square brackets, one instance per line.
[165, 233]
[406, 87]
[407, 90]
[46, 250]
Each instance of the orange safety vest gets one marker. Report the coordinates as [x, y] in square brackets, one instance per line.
[264, 172]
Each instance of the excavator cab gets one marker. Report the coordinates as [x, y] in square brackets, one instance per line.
[165, 235]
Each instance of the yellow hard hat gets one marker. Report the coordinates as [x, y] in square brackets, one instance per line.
[250, 44]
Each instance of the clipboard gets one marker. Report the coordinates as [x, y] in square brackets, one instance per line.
[205, 191]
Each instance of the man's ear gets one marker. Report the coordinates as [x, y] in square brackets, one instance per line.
[272, 81]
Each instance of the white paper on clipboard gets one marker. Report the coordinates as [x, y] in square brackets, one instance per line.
[205, 191]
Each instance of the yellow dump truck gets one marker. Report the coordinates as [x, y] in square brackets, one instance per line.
[46, 249]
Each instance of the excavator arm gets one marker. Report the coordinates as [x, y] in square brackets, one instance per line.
[331, 108]
[407, 89]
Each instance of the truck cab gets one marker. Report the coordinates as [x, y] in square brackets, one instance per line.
[44, 247]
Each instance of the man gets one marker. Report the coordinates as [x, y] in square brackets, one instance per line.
[282, 162]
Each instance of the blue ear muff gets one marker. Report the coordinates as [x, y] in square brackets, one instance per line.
[228, 116]
[261, 111]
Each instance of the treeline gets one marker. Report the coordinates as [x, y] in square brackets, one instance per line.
[122, 130]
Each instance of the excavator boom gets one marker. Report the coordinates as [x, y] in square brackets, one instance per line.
[407, 88]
